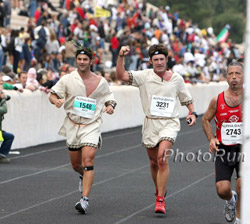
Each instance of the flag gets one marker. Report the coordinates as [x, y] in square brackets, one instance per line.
[100, 12]
[223, 35]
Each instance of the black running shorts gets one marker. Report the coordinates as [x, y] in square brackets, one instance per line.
[228, 159]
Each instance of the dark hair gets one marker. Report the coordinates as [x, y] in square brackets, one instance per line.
[12, 75]
[241, 60]
[6, 69]
[158, 49]
[23, 72]
[84, 50]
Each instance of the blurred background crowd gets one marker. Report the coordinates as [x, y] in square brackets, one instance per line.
[35, 54]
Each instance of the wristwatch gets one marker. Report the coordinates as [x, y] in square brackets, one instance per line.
[194, 113]
[113, 105]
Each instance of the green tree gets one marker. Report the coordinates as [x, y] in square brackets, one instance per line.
[236, 21]
[214, 13]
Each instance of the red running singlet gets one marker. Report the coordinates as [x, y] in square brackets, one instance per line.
[228, 122]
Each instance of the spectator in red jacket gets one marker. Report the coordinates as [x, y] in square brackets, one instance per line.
[114, 47]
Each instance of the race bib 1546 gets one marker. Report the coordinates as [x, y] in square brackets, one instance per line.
[84, 106]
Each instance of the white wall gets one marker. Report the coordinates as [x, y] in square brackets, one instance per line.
[33, 120]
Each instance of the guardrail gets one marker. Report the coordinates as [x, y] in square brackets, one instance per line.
[33, 120]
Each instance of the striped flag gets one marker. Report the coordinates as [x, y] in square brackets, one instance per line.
[223, 35]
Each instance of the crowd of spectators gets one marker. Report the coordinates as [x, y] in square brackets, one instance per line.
[39, 53]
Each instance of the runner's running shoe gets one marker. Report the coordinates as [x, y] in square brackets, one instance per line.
[160, 206]
[82, 205]
[230, 209]
[237, 221]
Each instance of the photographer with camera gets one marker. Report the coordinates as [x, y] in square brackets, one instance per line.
[5, 137]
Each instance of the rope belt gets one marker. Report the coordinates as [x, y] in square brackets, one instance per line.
[79, 124]
[158, 118]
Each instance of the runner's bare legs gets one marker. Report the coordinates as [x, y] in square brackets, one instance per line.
[84, 158]
[159, 166]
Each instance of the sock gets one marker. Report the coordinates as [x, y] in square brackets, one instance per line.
[237, 220]
[232, 201]
[85, 198]
[156, 192]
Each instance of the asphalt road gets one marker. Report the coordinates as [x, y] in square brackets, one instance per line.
[40, 187]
